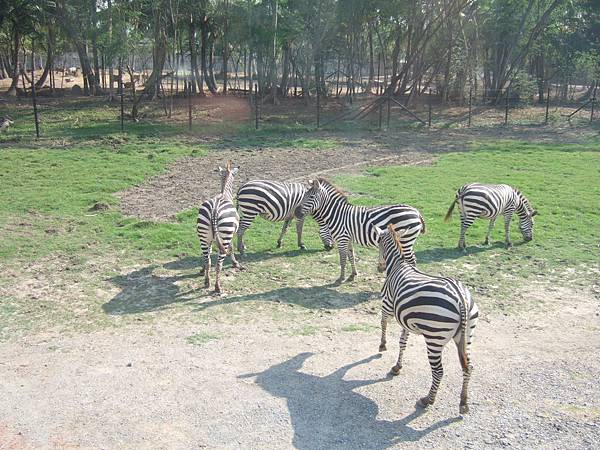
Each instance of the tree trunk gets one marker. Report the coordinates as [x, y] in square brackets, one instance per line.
[12, 90]
[204, 28]
[159, 54]
[49, 58]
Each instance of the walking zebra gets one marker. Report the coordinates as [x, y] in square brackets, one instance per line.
[349, 223]
[439, 308]
[218, 220]
[274, 201]
[490, 201]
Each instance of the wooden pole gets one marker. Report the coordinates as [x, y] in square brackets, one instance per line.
[470, 104]
[33, 98]
[429, 110]
[121, 94]
[547, 106]
[593, 103]
[506, 108]
[189, 96]
[318, 107]
[256, 113]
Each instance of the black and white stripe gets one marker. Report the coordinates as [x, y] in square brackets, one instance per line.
[274, 201]
[490, 201]
[349, 223]
[218, 221]
[439, 308]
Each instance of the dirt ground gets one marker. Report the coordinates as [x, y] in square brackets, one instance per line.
[256, 385]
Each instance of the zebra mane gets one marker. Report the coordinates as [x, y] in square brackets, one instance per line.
[334, 188]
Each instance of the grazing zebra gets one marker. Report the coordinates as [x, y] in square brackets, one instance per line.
[490, 201]
[439, 308]
[274, 201]
[218, 220]
[349, 223]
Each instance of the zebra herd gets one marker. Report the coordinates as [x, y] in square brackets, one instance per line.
[439, 308]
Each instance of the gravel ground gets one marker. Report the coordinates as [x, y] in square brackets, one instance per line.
[259, 384]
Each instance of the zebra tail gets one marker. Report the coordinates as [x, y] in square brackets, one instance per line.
[423, 228]
[214, 220]
[449, 213]
[464, 318]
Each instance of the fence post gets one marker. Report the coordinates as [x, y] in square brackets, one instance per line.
[470, 104]
[33, 98]
[121, 96]
[389, 105]
[429, 110]
[256, 113]
[506, 108]
[318, 107]
[189, 96]
[593, 103]
[547, 106]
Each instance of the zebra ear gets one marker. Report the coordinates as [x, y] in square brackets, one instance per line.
[220, 169]
[235, 170]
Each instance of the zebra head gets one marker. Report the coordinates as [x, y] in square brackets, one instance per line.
[227, 175]
[526, 214]
[390, 247]
[312, 200]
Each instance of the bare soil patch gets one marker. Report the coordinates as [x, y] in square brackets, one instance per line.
[189, 181]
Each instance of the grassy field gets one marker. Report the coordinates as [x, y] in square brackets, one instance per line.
[70, 260]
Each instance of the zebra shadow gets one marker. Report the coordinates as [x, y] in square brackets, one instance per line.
[143, 291]
[326, 412]
[314, 297]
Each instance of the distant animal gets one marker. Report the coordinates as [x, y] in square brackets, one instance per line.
[274, 201]
[73, 71]
[439, 308]
[5, 124]
[349, 223]
[218, 221]
[490, 201]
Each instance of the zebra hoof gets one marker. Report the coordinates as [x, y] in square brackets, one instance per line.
[423, 402]
[486, 242]
[240, 267]
[207, 284]
[279, 244]
[302, 247]
[328, 247]
[351, 277]
[509, 245]
[218, 290]
[463, 409]
[202, 272]
[338, 282]
[395, 370]
[382, 348]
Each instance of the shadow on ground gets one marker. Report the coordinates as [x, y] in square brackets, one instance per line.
[326, 412]
[439, 254]
[145, 291]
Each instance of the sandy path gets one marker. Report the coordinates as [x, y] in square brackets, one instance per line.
[535, 385]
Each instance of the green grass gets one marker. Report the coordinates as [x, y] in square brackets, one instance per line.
[200, 338]
[361, 327]
[99, 268]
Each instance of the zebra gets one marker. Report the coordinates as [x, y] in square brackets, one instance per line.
[490, 201]
[274, 201]
[439, 308]
[349, 223]
[218, 220]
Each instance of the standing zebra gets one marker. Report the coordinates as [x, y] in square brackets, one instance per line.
[490, 201]
[439, 308]
[218, 220]
[349, 223]
[274, 201]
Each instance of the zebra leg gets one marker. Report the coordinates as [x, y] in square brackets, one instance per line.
[467, 368]
[507, 217]
[490, 228]
[299, 225]
[326, 238]
[245, 223]
[206, 250]
[220, 260]
[465, 223]
[234, 262]
[403, 340]
[352, 258]
[286, 224]
[434, 353]
[384, 320]
[343, 249]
